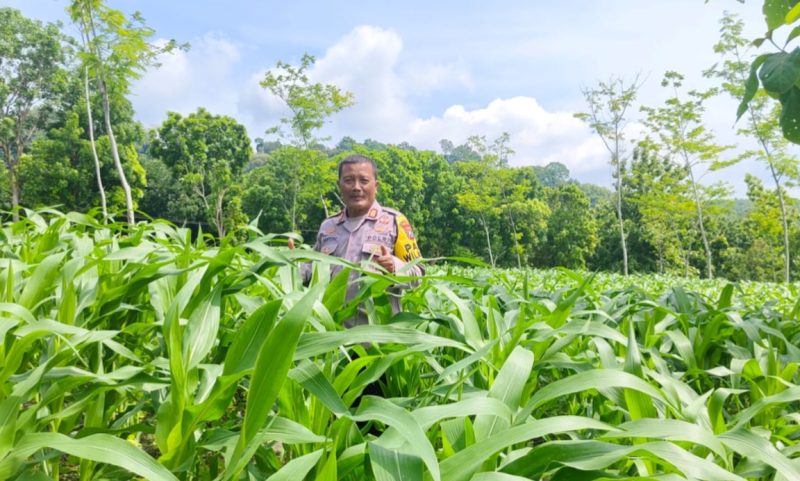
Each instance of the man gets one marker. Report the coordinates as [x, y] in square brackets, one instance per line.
[365, 230]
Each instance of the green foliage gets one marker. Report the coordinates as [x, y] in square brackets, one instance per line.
[32, 57]
[140, 352]
[778, 72]
[310, 103]
[206, 154]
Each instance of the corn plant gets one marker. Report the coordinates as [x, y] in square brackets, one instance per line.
[152, 352]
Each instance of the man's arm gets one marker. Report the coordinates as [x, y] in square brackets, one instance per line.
[405, 250]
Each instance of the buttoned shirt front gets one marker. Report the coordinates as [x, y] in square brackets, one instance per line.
[380, 227]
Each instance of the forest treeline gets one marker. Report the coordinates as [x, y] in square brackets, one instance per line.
[69, 139]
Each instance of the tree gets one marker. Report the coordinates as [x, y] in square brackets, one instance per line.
[116, 50]
[32, 60]
[206, 154]
[779, 72]
[460, 153]
[658, 191]
[310, 104]
[679, 128]
[571, 228]
[479, 197]
[552, 174]
[762, 119]
[608, 106]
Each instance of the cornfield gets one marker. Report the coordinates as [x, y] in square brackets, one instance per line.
[142, 353]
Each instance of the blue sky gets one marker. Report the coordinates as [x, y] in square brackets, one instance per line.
[426, 70]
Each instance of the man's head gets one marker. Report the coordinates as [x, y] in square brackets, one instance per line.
[358, 183]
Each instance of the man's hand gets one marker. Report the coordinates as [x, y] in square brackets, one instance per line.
[386, 259]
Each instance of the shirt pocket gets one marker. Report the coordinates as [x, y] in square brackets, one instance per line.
[328, 246]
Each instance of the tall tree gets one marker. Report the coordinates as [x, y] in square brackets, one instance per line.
[607, 116]
[32, 60]
[206, 154]
[310, 104]
[679, 128]
[116, 51]
[761, 119]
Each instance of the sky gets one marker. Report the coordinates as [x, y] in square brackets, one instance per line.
[422, 71]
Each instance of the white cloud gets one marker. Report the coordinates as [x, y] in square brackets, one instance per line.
[364, 62]
[200, 77]
[537, 136]
[426, 78]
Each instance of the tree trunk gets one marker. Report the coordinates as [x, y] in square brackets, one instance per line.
[94, 147]
[115, 153]
[514, 233]
[621, 221]
[324, 206]
[701, 222]
[488, 239]
[101, 81]
[13, 180]
[785, 225]
[219, 217]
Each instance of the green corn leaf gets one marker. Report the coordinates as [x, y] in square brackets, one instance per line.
[297, 468]
[378, 409]
[596, 455]
[100, 448]
[507, 387]
[315, 343]
[244, 349]
[200, 333]
[269, 373]
[496, 476]
[311, 377]
[748, 444]
[671, 430]
[392, 465]
[471, 330]
[462, 465]
[42, 281]
[592, 379]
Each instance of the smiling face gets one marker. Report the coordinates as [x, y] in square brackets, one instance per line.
[358, 187]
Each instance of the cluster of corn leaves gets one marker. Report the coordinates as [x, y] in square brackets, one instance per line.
[141, 353]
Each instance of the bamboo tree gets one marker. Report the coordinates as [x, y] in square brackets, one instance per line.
[608, 107]
[762, 119]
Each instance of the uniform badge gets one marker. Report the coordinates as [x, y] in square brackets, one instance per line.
[373, 213]
[405, 246]
[406, 227]
[330, 230]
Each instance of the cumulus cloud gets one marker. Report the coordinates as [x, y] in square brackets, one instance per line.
[537, 136]
[368, 61]
[364, 62]
[186, 80]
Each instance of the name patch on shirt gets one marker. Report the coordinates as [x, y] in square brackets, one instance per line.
[378, 238]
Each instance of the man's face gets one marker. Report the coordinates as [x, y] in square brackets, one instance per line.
[358, 188]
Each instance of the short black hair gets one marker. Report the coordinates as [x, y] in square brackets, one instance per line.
[358, 159]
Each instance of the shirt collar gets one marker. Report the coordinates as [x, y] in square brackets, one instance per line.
[374, 211]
